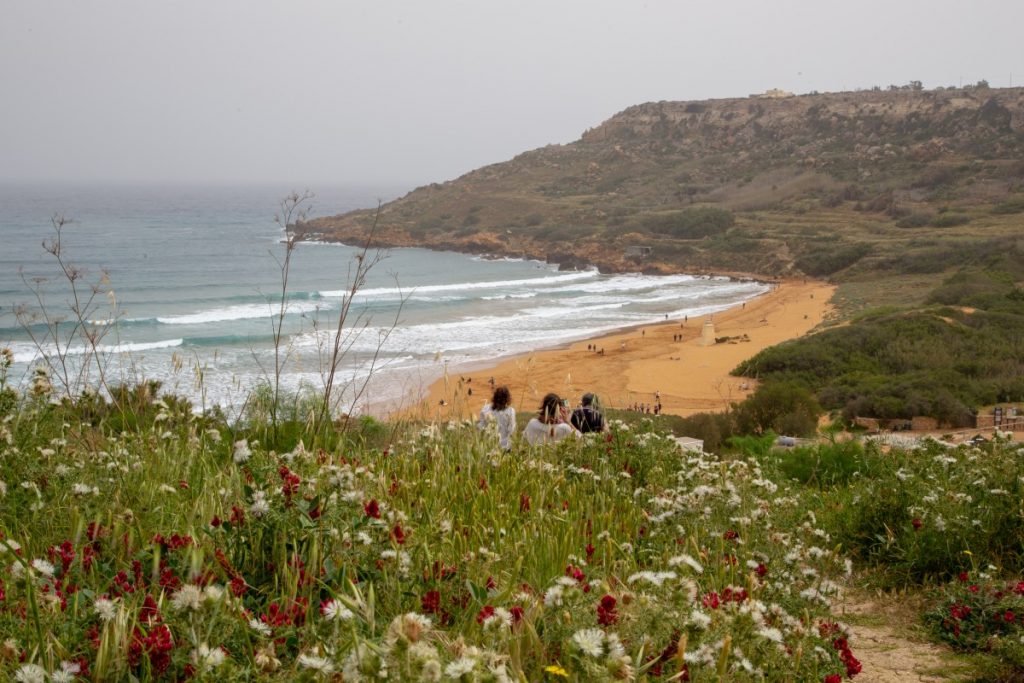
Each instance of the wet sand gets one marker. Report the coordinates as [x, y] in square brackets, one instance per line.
[677, 360]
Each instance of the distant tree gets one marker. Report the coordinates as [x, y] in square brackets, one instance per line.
[781, 407]
[916, 85]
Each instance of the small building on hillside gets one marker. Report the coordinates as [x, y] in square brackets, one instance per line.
[773, 94]
[1005, 416]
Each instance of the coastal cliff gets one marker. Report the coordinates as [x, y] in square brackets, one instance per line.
[826, 185]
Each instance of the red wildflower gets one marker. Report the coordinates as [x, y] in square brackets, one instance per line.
[916, 523]
[853, 666]
[524, 502]
[215, 522]
[150, 612]
[484, 613]
[958, 611]
[827, 629]
[431, 602]
[963, 576]
[372, 509]
[289, 482]
[762, 570]
[483, 484]
[517, 614]
[711, 600]
[833, 678]
[590, 550]
[155, 645]
[606, 614]
[398, 534]
[731, 535]
[238, 586]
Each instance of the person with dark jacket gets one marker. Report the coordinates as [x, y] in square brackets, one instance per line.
[588, 417]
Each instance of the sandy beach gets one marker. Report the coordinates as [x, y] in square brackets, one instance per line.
[676, 360]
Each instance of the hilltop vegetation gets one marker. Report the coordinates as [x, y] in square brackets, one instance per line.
[849, 186]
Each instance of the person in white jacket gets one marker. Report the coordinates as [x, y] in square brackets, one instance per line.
[501, 413]
[551, 424]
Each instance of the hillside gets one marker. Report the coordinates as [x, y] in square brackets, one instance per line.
[902, 186]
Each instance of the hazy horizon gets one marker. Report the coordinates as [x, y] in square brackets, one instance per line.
[401, 94]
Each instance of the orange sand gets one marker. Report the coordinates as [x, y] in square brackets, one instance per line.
[691, 377]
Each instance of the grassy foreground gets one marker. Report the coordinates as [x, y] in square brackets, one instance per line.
[160, 545]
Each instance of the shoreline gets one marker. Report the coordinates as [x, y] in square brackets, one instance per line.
[667, 357]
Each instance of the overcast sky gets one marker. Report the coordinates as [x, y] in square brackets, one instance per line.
[415, 91]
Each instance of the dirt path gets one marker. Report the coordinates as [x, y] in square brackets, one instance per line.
[888, 640]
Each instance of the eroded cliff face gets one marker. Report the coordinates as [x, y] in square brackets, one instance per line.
[587, 202]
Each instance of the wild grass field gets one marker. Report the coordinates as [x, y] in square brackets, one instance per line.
[142, 541]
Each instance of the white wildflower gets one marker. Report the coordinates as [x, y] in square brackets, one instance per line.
[460, 667]
[105, 609]
[66, 674]
[334, 610]
[259, 506]
[501, 618]
[30, 673]
[699, 619]
[242, 452]
[553, 597]
[43, 567]
[260, 627]
[590, 641]
[207, 658]
[188, 597]
[688, 561]
[772, 634]
[316, 663]
[655, 578]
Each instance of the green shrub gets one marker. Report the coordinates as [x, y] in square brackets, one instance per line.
[781, 407]
[821, 262]
[829, 464]
[931, 513]
[950, 220]
[692, 223]
[973, 613]
[915, 220]
[1010, 206]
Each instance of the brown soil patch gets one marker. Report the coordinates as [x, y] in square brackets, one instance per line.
[886, 637]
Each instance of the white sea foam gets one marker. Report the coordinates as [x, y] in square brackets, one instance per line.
[26, 353]
[239, 312]
[497, 284]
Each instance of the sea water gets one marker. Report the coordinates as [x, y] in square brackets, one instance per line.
[185, 285]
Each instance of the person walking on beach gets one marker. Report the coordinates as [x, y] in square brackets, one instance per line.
[588, 417]
[502, 414]
[550, 425]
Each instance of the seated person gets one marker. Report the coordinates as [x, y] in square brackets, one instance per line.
[549, 426]
[502, 414]
[588, 417]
